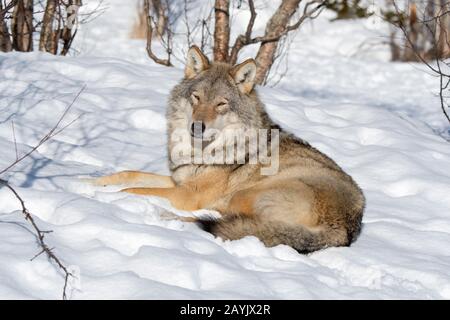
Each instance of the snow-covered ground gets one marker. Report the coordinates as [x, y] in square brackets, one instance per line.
[379, 120]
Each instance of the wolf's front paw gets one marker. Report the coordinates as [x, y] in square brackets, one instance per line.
[99, 182]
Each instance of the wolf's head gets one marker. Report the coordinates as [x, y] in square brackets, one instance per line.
[215, 97]
[214, 116]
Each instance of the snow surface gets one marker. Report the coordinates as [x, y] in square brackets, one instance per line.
[379, 120]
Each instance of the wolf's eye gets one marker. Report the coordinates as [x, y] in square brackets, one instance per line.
[222, 106]
[195, 97]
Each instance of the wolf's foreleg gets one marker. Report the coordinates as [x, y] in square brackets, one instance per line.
[180, 197]
[135, 178]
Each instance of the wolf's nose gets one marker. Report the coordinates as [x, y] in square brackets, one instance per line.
[197, 129]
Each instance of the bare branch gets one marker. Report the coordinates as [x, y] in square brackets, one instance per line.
[441, 92]
[52, 133]
[243, 40]
[312, 14]
[186, 22]
[15, 141]
[278, 27]
[165, 62]
[40, 235]
[273, 35]
[8, 7]
[437, 50]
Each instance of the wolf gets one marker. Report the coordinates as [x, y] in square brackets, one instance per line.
[310, 203]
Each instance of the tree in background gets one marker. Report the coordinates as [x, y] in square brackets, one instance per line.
[224, 50]
[5, 15]
[424, 28]
[346, 9]
[420, 30]
[22, 26]
[59, 26]
[160, 10]
[51, 25]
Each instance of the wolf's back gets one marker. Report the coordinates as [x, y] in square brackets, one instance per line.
[272, 233]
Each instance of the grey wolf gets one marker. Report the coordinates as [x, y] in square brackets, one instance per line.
[309, 204]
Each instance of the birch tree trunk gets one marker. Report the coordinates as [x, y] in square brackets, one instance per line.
[22, 26]
[221, 30]
[70, 27]
[5, 39]
[274, 29]
[46, 41]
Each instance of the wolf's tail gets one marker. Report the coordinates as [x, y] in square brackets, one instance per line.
[272, 233]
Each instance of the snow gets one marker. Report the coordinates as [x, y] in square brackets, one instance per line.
[379, 120]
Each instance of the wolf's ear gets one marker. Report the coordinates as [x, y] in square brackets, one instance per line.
[244, 75]
[196, 62]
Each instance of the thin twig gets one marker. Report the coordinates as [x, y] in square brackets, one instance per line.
[40, 235]
[8, 7]
[15, 141]
[165, 62]
[52, 133]
[437, 70]
[244, 40]
[410, 42]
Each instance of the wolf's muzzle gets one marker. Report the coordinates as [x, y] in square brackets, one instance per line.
[197, 129]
